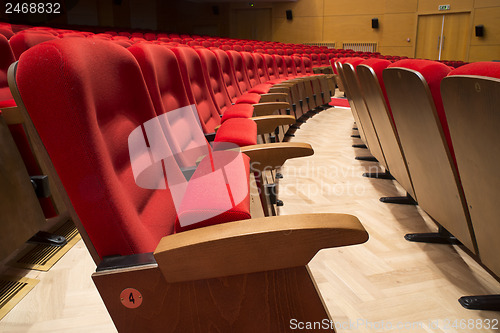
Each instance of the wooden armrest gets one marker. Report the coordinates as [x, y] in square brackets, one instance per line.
[273, 155]
[279, 89]
[12, 115]
[273, 97]
[267, 124]
[264, 109]
[254, 245]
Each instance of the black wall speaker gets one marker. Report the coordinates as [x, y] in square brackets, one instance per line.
[289, 15]
[375, 23]
[117, 2]
[215, 10]
[479, 30]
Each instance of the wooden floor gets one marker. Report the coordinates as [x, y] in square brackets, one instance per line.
[367, 288]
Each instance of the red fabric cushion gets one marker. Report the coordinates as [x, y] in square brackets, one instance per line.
[433, 72]
[483, 68]
[239, 70]
[24, 40]
[238, 111]
[378, 66]
[233, 89]
[248, 98]
[84, 121]
[213, 75]
[228, 200]
[240, 131]
[197, 88]
[262, 88]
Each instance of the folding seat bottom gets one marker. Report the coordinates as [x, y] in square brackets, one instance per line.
[238, 111]
[262, 88]
[240, 131]
[218, 192]
[249, 98]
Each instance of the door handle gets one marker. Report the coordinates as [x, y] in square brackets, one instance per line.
[442, 44]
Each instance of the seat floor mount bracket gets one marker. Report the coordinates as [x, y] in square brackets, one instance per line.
[482, 302]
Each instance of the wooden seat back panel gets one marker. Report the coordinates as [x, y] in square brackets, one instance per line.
[382, 121]
[363, 114]
[472, 109]
[429, 160]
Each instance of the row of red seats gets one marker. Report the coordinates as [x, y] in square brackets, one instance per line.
[319, 55]
[119, 128]
[427, 125]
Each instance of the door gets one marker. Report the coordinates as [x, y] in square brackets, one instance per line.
[254, 23]
[455, 35]
[443, 37]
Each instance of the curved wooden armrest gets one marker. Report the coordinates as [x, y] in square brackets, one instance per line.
[254, 245]
[267, 124]
[273, 97]
[12, 115]
[264, 109]
[285, 89]
[273, 155]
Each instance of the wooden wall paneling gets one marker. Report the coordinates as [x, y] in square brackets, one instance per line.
[485, 3]
[121, 14]
[355, 28]
[299, 30]
[397, 50]
[484, 53]
[301, 8]
[490, 18]
[105, 13]
[349, 7]
[431, 6]
[407, 26]
[397, 6]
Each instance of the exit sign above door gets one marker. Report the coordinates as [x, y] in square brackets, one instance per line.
[444, 7]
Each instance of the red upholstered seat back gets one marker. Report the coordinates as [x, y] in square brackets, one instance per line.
[23, 40]
[433, 72]
[6, 59]
[6, 31]
[272, 70]
[213, 75]
[260, 66]
[355, 61]
[280, 66]
[299, 65]
[162, 75]
[233, 89]
[87, 114]
[163, 78]
[307, 65]
[378, 65]
[239, 69]
[483, 68]
[291, 70]
[251, 69]
[197, 89]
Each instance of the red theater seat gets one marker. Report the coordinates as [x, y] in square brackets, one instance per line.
[24, 40]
